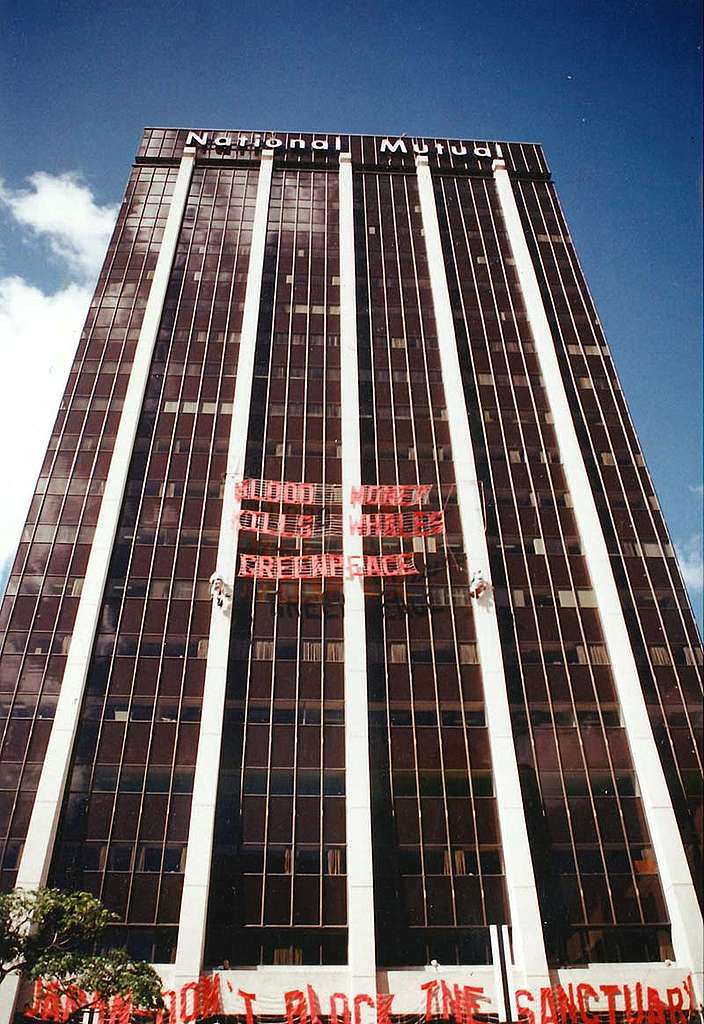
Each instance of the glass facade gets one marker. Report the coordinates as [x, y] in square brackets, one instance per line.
[658, 615]
[280, 827]
[125, 819]
[437, 854]
[45, 584]
[281, 861]
[579, 786]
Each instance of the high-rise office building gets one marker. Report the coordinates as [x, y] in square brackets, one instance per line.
[345, 623]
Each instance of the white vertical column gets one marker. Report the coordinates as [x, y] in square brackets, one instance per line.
[528, 944]
[680, 895]
[38, 848]
[360, 875]
[196, 883]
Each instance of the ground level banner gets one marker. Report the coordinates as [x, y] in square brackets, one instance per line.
[214, 997]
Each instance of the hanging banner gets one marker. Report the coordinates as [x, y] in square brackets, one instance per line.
[271, 524]
[283, 491]
[390, 494]
[219, 997]
[310, 567]
[303, 526]
[368, 524]
[390, 524]
[287, 492]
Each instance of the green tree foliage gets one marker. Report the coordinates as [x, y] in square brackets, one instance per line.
[44, 934]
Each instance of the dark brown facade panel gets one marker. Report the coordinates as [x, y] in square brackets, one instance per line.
[279, 860]
[45, 583]
[584, 816]
[657, 611]
[125, 820]
[438, 864]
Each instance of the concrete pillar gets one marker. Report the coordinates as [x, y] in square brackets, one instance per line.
[196, 883]
[679, 891]
[360, 875]
[528, 944]
[39, 845]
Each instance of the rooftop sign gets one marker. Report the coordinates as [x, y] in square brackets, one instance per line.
[226, 142]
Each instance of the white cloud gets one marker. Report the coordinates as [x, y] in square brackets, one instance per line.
[691, 561]
[39, 331]
[62, 210]
[38, 336]
[697, 489]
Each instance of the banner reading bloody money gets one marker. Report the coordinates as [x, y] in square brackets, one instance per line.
[289, 492]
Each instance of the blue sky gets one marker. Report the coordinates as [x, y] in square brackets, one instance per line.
[611, 89]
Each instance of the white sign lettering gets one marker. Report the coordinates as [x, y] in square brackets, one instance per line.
[224, 142]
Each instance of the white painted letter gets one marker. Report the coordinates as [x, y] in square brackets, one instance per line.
[393, 147]
[192, 139]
